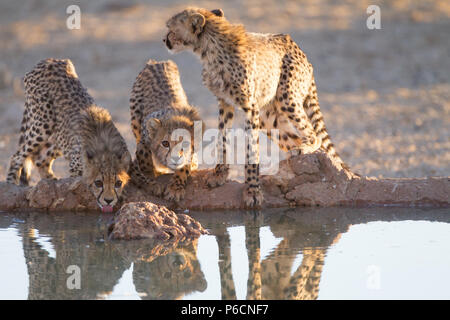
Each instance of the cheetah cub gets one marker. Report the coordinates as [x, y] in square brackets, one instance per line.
[265, 75]
[61, 119]
[158, 107]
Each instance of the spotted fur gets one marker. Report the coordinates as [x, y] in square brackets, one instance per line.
[61, 119]
[265, 75]
[172, 275]
[228, 289]
[272, 278]
[159, 106]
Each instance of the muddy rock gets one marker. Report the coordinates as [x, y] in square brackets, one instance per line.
[140, 220]
[303, 180]
[12, 197]
[62, 194]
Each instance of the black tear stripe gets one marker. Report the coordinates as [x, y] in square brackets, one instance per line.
[114, 188]
[167, 154]
[98, 198]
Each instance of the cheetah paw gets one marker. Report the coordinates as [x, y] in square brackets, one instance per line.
[154, 188]
[253, 197]
[218, 177]
[174, 192]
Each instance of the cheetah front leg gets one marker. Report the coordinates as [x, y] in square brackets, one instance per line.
[144, 170]
[177, 186]
[140, 180]
[220, 174]
[75, 164]
[253, 196]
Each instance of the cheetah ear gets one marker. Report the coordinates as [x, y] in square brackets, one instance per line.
[198, 22]
[218, 12]
[153, 124]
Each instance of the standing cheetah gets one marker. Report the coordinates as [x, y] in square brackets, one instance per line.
[265, 75]
[60, 118]
[158, 107]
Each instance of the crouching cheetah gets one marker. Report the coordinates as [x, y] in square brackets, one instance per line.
[265, 75]
[159, 107]
[60, 118]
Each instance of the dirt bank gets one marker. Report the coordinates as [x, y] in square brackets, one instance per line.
[306, 180]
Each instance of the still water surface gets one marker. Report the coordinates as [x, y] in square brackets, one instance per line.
[332, 253]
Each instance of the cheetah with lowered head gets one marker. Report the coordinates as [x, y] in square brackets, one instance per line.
[265, 75]
[159, 107]
[61, 119]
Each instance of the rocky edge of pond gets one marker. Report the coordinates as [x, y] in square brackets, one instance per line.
[303, 180]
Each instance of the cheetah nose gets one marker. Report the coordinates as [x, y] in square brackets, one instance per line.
[108, 201]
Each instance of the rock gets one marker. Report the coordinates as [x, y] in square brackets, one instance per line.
[308, 164]
[200, 197]
[303, 180]
[140, 220]
[42, 195]
[13, 197]
[62, 194]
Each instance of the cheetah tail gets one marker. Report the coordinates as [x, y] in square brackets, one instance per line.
[312, 109]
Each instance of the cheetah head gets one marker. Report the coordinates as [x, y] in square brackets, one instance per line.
[186, 27]
[106, 176]
[106, 159]
[170, 141]
[173, 275]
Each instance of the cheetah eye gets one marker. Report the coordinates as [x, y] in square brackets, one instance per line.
[118, 184]
[165, 144]
[98, 183]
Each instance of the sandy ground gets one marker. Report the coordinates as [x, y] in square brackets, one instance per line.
[385, 94]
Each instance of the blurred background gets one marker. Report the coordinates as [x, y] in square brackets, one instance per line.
[384, 93]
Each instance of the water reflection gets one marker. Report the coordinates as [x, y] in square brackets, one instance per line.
[272, 278]
[170, 276]
[173, 271]
[76, 242]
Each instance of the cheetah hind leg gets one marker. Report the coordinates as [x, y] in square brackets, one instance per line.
[295, 133]
[44, 161]
[252, 195]
[220, 174]
[16, 166]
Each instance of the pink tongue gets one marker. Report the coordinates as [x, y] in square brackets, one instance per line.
[106, 209]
